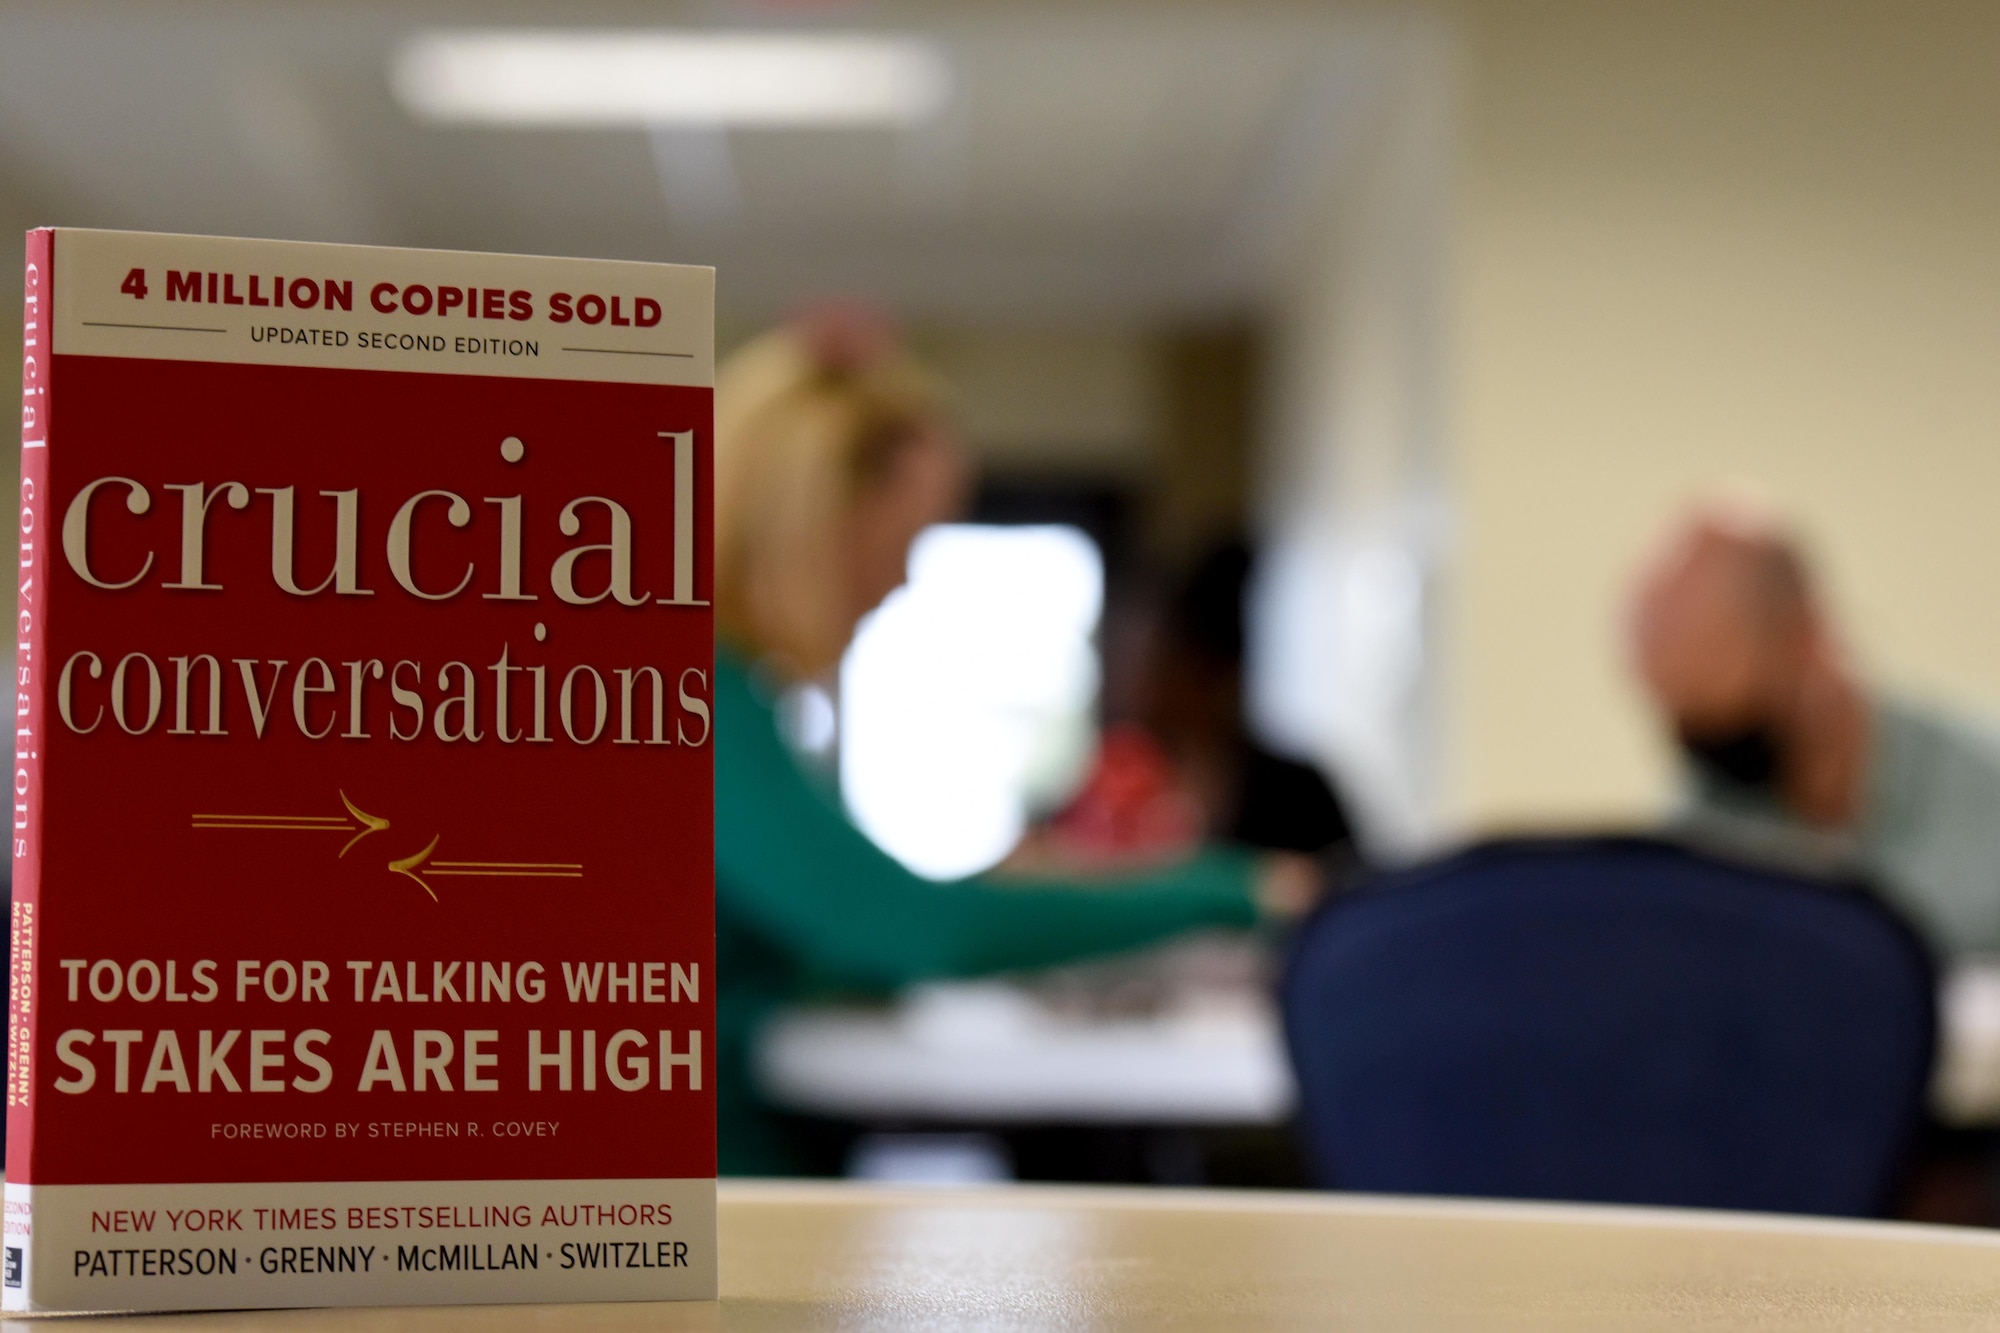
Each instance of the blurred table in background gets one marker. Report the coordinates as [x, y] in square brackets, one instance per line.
[1183, 1036]
[1966, 1089]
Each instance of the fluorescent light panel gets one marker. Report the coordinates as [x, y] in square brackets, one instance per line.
[571, 78]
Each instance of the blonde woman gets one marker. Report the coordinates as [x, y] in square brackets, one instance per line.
[832, 454]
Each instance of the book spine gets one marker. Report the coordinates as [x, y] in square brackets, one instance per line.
[37, 363]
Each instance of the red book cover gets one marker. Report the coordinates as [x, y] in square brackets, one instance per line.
[363, 912]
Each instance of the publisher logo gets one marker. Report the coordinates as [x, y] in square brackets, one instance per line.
[13, 1265]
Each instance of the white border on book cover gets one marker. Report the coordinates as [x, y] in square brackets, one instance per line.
[295, 303]
[345, 1243]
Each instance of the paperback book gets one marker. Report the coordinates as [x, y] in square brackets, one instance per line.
[362, 851]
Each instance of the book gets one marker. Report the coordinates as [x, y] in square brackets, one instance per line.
[363, 912]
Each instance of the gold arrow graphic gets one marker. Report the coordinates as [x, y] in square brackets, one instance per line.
[372, 823]
[407, 867]
[360, 823]
[282, 823]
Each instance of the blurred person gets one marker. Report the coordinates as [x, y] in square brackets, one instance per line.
[832, 452]
[1790, 753]
[1194, 704]
[1183, 766]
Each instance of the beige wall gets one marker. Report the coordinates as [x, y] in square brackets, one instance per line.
[14, 224]
[1053, 400]
[1701, 241]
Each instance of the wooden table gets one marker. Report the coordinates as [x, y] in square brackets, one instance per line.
[836, 1257]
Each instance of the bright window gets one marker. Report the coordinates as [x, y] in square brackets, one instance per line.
[966, 699]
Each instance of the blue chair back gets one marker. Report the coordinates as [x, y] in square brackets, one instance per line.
[1611, 1020]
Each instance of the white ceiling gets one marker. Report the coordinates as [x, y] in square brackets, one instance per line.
[1096, 160]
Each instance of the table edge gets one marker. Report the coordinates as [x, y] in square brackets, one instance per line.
[763, 1191]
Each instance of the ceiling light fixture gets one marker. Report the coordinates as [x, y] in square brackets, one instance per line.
[573, 78]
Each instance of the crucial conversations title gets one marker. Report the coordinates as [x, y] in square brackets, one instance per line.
[507, 700]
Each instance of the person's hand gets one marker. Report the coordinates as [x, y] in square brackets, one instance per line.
[1288, 885]
[1826, 777]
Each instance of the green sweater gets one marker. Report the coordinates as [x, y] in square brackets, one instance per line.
[805, 902]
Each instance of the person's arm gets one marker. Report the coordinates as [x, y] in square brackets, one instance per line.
[799, 871]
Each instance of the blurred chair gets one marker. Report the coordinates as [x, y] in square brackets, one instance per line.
[1612, 1020]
